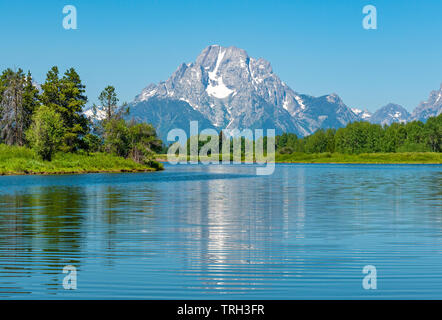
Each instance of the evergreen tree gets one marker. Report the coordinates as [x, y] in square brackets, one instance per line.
[51, 92]
[109, 101]
[31, 101]
[76, 122]
[330, 140]
[112, 111]
[66, 96]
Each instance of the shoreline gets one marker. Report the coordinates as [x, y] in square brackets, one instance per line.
[130, 167]
[406, 163]
[161, 160]
[47, 173]
[16, 160]
[313, 162]
[337, 158]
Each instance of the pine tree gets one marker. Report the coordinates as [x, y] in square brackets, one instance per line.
[109, 101]
[66, 96]
[30, 100]
[51, 95]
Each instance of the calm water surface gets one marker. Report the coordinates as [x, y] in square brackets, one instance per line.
[221, 232]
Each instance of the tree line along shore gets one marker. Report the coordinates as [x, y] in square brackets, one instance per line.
[332, 158]
[363, 142]
[358, 142]
[45, 131]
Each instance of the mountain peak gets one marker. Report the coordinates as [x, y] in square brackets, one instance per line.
[430, 108]
[390, 113]
[334, 98]
[233, 90]
[214, 53]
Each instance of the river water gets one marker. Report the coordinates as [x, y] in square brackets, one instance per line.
[222, 232]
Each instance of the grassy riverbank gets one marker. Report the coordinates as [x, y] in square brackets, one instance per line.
[381, 158]
[21, 160]
[375, 158]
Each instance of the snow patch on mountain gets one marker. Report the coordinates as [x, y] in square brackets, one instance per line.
[300, 102]
[216, 87]
[363, 114]
[389, 114]
[99, 113]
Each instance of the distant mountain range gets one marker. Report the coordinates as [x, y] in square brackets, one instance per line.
[396, 113]
[430, 108]
[387, 115]
[226, 89]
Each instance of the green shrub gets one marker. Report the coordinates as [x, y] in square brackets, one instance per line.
[286, 150]
[46, 132]
[116, 137]
[138, 141]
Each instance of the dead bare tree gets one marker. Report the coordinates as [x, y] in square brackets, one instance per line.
[17, 101]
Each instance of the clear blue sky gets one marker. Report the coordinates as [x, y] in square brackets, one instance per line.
[316, 47]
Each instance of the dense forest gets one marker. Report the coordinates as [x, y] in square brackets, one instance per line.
[356, 138]
[365, 137]
[51, 120]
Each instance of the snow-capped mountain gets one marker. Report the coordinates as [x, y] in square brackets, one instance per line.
[362, 114]
[228, 89]
[98, 114]
[430, 108]
[389, 114]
